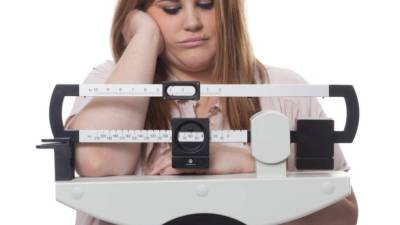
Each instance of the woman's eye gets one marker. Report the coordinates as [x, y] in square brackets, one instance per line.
[172, 10]
[207, 5]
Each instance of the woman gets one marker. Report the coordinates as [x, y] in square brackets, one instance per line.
[202, 40]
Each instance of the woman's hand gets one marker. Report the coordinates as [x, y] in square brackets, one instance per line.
[138, 21]
[224, 159]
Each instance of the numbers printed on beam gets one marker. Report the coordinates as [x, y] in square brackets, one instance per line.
[218, 90]
[120, 90]
[147, 136]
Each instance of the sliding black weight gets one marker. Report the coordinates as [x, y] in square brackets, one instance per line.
[167, 84]
[190, 155]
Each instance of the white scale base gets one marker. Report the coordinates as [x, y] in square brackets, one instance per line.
[155, 200]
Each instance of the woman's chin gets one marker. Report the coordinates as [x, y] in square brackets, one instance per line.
[191, 61]
[196, 66]
[194, 63]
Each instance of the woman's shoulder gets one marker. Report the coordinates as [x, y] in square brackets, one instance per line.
[292, 107]
[105, 66]
[279, 75]
[98, 75]
[100, 72]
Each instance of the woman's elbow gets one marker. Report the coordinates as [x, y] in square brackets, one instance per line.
[99, 161]
[353, 208]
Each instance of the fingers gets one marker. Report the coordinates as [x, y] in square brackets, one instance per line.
[161, 163]
[137, 21]
[170, 171]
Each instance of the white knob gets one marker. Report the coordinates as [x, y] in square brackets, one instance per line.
[202, 190]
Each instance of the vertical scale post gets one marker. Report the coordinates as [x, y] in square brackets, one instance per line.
[64, 162]
[270, 143]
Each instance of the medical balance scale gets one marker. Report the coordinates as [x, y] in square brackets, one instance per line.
[271, 195]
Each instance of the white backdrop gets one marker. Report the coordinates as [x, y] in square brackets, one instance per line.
[44, 42]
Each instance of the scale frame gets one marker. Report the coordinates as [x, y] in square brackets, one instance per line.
[216, 199]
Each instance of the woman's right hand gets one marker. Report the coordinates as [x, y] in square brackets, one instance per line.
[138, 21]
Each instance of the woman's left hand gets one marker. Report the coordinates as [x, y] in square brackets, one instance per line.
[224, 159]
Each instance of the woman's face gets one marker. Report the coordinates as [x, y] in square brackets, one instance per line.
[189, 31]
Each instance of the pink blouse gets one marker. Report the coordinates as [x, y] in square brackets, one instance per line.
[292, 107]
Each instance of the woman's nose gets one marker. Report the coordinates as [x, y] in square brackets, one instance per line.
[192, 21]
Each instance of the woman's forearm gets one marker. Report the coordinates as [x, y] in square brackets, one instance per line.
[137, 65]
[345, 212]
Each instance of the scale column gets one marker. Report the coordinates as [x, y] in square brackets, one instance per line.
[270, 143]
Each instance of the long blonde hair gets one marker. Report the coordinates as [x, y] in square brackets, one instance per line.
[235, 62]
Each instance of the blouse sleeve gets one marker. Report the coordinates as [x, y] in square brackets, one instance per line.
[98, 75]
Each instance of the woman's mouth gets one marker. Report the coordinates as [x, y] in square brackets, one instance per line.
[192, 42]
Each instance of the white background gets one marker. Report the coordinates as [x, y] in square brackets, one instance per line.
[44, 42]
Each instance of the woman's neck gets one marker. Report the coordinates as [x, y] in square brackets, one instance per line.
[203, 76]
